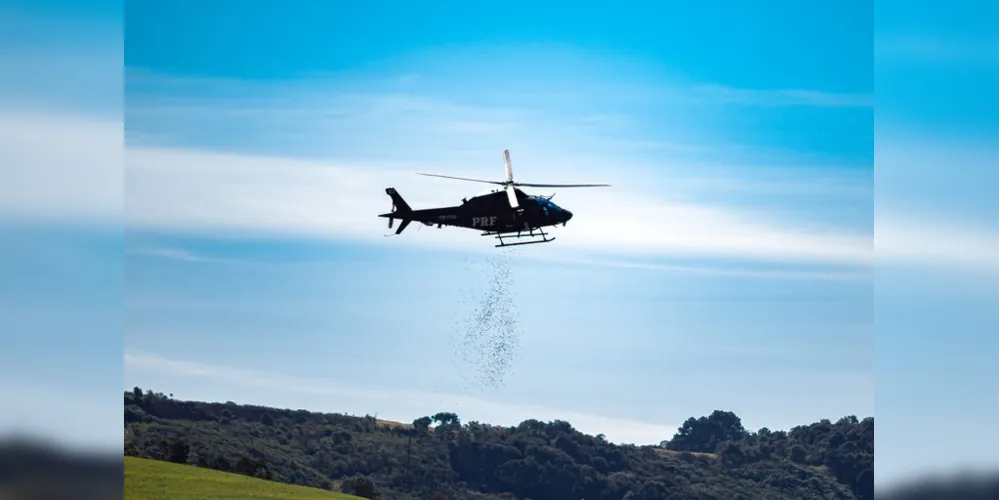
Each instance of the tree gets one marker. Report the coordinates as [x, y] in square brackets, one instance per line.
[361, 486]
[251, 467]
[422, 424]
[179, 451]
[446, 418]
[198, 460]
[798, 453]
[134, 414]
[731, 453]
[221, 463]
[130, 449]
[848, 420]
[704, 434]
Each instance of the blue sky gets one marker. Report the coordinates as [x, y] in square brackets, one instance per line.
[936, 235]
[733, 248]
[729, 266]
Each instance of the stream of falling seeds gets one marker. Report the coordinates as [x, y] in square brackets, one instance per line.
[488, 337]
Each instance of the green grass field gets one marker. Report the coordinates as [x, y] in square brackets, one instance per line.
[154, 480]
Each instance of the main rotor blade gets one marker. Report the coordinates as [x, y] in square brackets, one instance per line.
[559, 185]
[509, 169]
[462, 178]
[511, 194]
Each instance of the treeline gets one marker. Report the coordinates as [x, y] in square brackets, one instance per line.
[845, 448]
[711, 457]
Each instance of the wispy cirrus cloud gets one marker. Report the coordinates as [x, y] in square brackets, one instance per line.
[192, 190]
[178, 190]
[936, 246]
[216, 155]
[379, 136]
[61, 165]
[362, 115]
[935, 199]
[177, 254]
[744, 272]
[948, 242]
[187, 191]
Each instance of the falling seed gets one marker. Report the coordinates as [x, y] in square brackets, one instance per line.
[488, 334]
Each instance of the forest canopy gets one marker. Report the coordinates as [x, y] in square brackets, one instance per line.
[439, 456]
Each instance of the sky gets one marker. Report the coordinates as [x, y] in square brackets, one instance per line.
[935, 238]
[224, 235]
[727, 268]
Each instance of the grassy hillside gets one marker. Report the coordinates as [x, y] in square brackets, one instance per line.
[147, 479]
[439, 457]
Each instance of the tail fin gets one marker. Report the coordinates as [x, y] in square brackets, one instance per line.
[398, 204]
[399, 210]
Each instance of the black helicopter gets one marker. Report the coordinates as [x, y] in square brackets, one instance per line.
[504, 212]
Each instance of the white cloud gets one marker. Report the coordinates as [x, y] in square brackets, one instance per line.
[182, 255]
[389, 404]
[715, 271]
[378, 134]
[175, 254]
[176, 189]
[217, 193]
[936, 198]
[60, 166]
[360, 116]
[952, 242]
[326, 198]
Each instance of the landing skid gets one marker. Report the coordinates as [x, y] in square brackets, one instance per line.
[534, 235]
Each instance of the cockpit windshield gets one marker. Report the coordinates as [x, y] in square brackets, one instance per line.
[550, 211]
[547, 204]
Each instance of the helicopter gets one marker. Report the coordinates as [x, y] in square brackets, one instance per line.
[505, 212]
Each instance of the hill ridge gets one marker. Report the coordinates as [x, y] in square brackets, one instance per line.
[440, 457]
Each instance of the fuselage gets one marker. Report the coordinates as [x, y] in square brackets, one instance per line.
[492, 213]
[502, 219]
